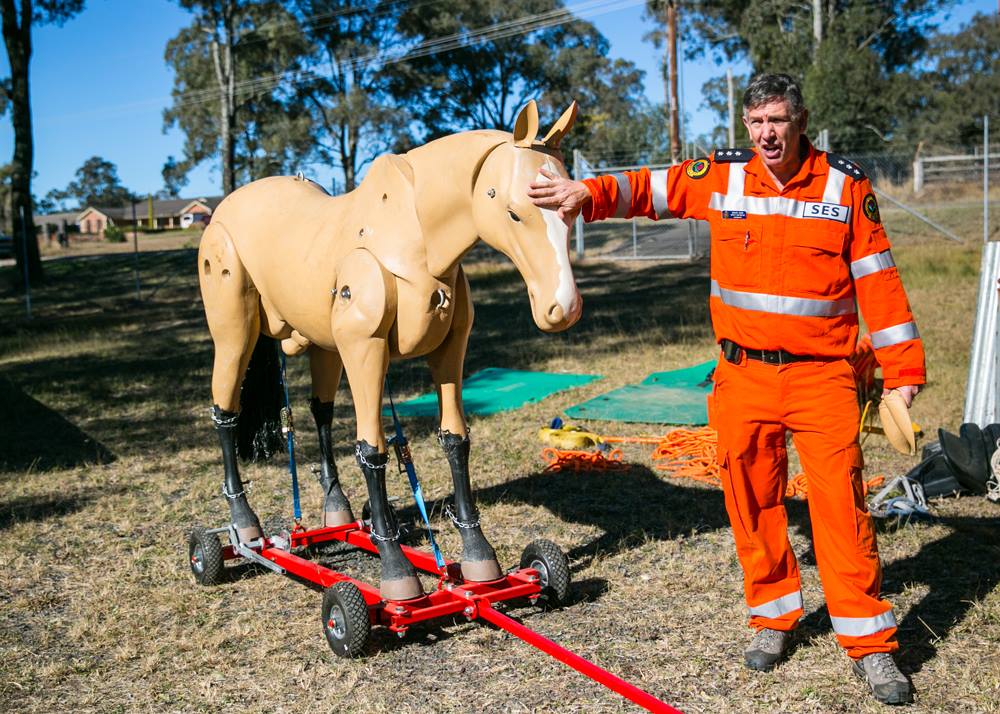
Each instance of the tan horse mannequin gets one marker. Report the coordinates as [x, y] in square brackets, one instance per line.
[360, 279]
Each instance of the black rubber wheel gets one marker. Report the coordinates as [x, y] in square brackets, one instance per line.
[205, 556]
[345, 619]
[552, 566]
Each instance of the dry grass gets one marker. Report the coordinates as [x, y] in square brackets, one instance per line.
[108, 458]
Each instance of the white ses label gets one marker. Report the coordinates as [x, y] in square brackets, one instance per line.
[829, 211]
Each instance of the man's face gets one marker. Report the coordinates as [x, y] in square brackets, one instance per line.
[776, 135]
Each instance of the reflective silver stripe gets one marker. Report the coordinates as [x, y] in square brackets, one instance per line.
[759, 205]
[783, 304]
[834, 186]
[781, 606]
[894, 335]
[872, 264]
[624, 196]
[658, 183]
[737, 180]
[861, 626]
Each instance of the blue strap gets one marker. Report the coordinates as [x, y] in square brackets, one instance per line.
[288, 427]
[401, 445]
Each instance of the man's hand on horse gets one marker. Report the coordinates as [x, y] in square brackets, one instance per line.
[562, 195]
[908, 392]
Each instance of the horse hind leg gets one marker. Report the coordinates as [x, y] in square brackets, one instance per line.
[232, 311]
[326, 369]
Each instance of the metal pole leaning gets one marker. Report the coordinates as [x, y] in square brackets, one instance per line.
[578, 176]
[587, 668]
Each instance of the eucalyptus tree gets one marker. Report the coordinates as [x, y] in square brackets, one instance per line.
[18, 19]
[354, 118]
[235, 69]
[474, 64]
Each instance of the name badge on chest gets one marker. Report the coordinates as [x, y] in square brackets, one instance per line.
[829, 211]
[735, 215]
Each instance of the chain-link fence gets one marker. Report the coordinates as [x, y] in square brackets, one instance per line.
[637, 238]
[936, 193]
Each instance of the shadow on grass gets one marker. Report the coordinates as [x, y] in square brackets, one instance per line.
[31, 509]
[37, 438]
[959, 570]
[630, 507]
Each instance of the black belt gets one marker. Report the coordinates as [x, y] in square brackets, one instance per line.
[733, 353]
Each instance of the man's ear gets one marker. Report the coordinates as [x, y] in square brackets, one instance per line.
[804, 121]
[746, 124]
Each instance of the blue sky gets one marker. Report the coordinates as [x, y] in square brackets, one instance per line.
[99, 86]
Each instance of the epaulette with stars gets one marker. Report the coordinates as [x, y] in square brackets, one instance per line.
[845, 166]
[728, 155]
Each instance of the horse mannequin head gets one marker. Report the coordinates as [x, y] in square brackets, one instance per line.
[536, 240]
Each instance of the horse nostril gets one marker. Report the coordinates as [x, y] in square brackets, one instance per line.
[555, 314]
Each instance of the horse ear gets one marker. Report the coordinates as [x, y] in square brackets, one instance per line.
[561, 127]
[526, 126]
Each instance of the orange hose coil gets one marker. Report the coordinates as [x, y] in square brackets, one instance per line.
[685, 453]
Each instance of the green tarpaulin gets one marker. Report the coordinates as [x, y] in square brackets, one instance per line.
[674, 397]
[497, 390]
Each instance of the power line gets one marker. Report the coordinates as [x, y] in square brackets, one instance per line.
[511, 28]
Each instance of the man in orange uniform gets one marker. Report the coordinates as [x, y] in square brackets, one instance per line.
[797, 246]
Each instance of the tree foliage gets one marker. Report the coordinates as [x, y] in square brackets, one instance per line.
[354, 118]
[961, 84]
[492, 56]
[231, 68]
[851, 56]
[96, 183]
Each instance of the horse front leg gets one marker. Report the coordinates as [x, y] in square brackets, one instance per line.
[326, 368]
[364, 309]
[479, 560]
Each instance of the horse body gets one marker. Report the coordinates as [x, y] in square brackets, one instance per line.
[360, 279]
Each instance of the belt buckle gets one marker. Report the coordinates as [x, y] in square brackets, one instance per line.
[769, 357]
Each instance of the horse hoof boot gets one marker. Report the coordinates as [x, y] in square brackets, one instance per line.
[480, 571]
[399, 580]
[337, 518]
[246, 521]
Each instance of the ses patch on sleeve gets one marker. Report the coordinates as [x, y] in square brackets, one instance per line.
[697, 168]
[869, 206]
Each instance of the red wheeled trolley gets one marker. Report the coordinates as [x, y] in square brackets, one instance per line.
[351, 607]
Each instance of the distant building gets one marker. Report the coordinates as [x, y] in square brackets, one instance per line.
[156, 214]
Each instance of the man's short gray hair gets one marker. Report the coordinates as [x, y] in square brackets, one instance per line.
[766, 88]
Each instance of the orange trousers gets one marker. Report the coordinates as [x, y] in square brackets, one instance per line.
[753, 406]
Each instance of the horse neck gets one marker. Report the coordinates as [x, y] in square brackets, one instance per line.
[444, 176]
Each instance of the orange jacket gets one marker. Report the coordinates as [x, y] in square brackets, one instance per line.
[790, 266]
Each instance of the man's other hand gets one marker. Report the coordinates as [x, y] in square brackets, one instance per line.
[908, 392]
[564, 196]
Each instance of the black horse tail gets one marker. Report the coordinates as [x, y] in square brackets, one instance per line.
[261, 400]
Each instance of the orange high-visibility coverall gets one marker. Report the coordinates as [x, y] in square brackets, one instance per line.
[789, 268]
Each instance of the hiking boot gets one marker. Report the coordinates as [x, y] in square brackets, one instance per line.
[888, 684]
[766, 649]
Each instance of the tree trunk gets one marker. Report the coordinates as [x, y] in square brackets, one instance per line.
[675, 130]
[817, 28]
[225, 77]
[18, 41]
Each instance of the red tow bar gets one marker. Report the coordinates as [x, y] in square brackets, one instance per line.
[451, 597]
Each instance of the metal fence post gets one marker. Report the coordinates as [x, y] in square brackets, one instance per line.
[24, 263]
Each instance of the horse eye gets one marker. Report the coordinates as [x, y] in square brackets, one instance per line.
[513, 216]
